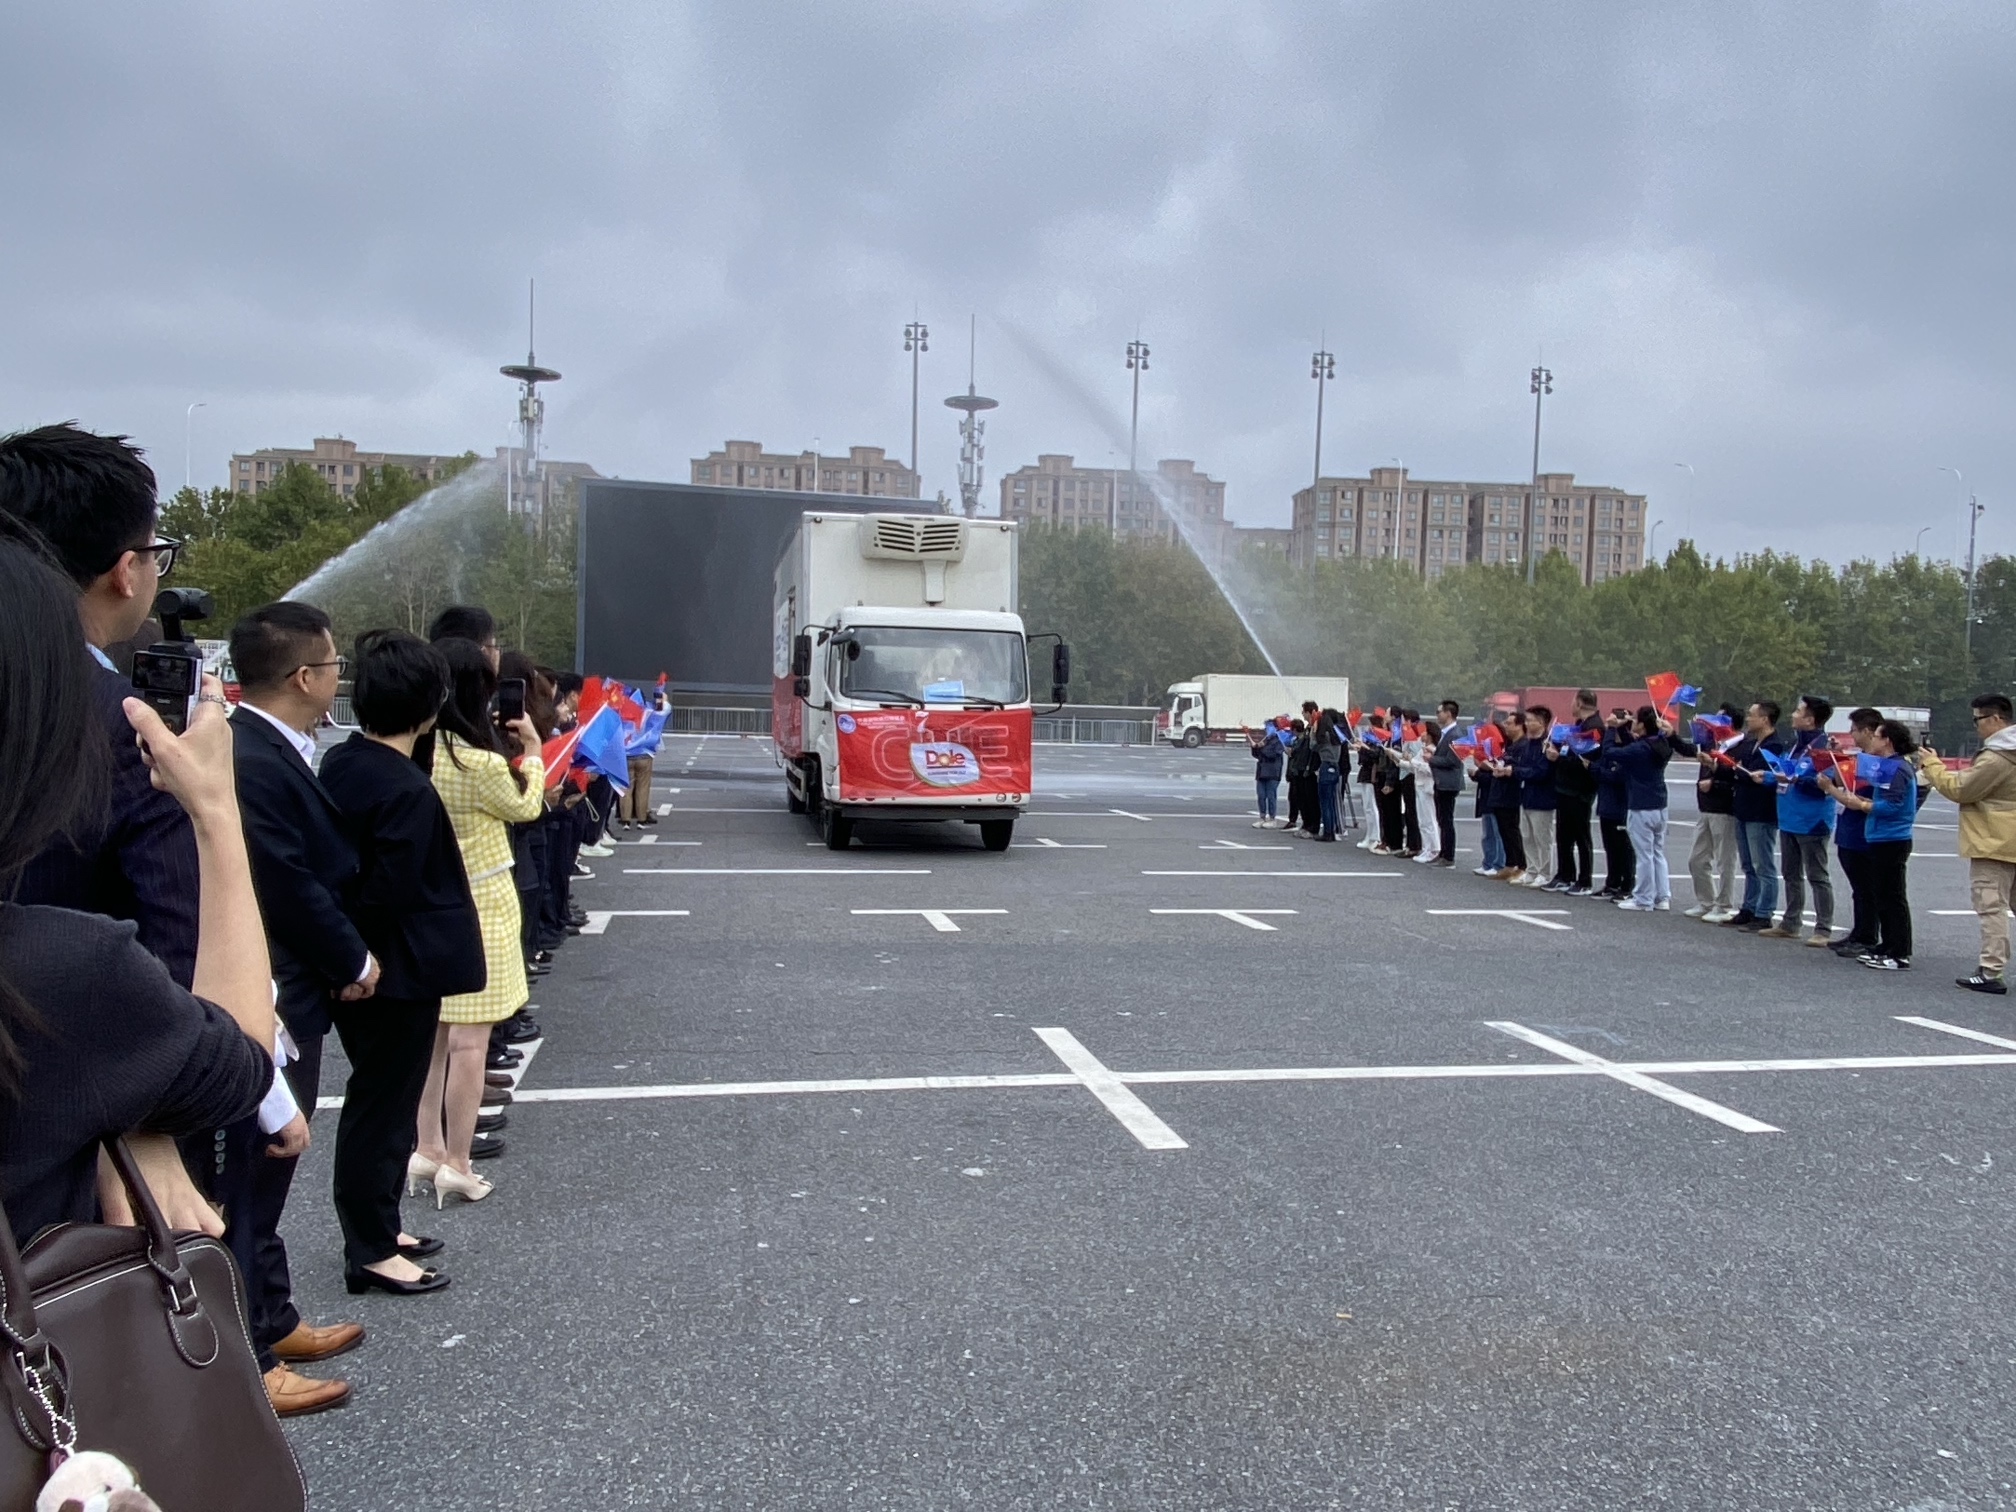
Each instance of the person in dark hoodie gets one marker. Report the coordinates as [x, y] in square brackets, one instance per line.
[1620, 869]
[1329, 754]
[1755, 800]
[1268, 761]
[1532, 761]
[1642, 763]
[1574, 797]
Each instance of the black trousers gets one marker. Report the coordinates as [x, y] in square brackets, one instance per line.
[1410, 818]
[1303, 795]
[1620, 860]
[1885, 865]
[563, 847]
[1294, 788]
[1391, 819]
[1855, 863]
[1445, 821]
[1510, 838]
[389, 1042]
[1577, 860]
[231, 1167]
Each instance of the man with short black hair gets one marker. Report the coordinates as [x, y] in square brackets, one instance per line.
[470, 622]
[1805, 820]
[1574, 802]
[1755, 800]
[1986, 794]
[1446, 771]
[303, 868]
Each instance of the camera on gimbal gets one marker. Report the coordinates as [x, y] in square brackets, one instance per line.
[169, 674]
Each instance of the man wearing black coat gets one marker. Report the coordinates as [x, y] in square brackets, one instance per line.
[415, 911]
[1445, 768]
[304, 870]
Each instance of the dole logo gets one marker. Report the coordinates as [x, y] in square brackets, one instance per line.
[944, 763]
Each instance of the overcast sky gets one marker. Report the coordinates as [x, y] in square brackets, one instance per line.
[1770, 240]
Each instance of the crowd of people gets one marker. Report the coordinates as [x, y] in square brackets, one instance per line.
[1771, 811]
[192, 914]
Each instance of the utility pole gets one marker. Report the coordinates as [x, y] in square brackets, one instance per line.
[1323, 368]
[914, 338]
[1137, 364]
[1543, 385]
[1974, 512]
[188, 433]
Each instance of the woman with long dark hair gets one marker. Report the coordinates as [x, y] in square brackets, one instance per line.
[1887, 796]
[488, 779]
[95, 1038]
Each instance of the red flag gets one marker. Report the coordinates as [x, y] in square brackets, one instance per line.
[1488, 740]
[627, 708]
[1662, 686]
[558, 752]
[1354, 716]
[662, 680]
[591, 699]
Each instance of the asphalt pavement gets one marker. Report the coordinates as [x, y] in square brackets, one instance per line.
[1163, 1163]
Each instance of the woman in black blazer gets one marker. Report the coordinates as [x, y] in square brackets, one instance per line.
[414, 910]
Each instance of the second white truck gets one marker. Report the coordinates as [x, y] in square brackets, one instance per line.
[1219, 705]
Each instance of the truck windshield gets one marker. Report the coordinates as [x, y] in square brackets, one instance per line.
[936, 666]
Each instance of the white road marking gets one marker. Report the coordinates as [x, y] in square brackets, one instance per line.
[1957, 913]
[1236, 915]
[1972, 1034]
[598, 918]
[1051, 845]
[1742, 1123]
[1124, 814]
[939, 919]
[530, 1049]
[1135, 1115]
[776, 871]
[1268, 874]
[1519, 915]
[1236, 846]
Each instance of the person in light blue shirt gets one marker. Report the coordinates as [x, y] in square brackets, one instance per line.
[1890, 810]
[1805, 816]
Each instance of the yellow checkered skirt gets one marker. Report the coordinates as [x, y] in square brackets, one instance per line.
[505, 993]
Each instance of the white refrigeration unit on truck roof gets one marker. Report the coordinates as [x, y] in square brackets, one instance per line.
[901, 672]
[1221, 704]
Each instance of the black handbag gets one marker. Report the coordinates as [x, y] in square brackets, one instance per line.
[133, 1341]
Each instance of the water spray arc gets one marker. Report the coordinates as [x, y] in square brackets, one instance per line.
[972, 429]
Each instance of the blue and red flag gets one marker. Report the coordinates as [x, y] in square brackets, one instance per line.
[647, 737]
[598, 749]
[1561, 734]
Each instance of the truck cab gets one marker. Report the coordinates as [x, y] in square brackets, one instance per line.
[1181, 720]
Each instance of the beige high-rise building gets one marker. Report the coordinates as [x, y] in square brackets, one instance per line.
[864, 470]
[1434, 526]
[1059, 491]
[341, 465]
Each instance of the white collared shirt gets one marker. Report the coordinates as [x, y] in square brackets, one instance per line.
[103, 660]
[304, 745]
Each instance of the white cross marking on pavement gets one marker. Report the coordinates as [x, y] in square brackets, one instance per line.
[1135, 1115]
[665, 808]
[1973, 1034]
[1124, 814]
[598, 918]
[1235, 845]
[1047, 844]
[939, 919]
[1742, 1123]
[1268, 874]
[1521, 915]
[1236, 915]
[776, 871]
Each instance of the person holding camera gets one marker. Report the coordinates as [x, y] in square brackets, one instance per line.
[488, 779]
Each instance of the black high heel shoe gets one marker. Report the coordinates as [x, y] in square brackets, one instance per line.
[359, 1281]
[421, 1248]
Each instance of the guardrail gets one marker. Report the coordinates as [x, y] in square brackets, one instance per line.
[1125, 732]
[687, 720]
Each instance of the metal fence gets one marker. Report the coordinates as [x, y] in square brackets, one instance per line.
[1125, 732]
[686, 720]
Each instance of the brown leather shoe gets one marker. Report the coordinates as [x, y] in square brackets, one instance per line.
[499, 1079]
[308, 1343]
[298, 1395]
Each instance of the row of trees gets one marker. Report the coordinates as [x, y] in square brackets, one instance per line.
[1141, 615]
[393, 553]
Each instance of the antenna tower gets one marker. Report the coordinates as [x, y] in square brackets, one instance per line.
[524, 476]
[972, 429]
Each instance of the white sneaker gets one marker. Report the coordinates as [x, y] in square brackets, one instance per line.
[1485, 871]
[1537, 879]
[1718, 916]
[1263, 824]
[1632, 905]
[1697, 910]
[1664, 905]
[596, 850]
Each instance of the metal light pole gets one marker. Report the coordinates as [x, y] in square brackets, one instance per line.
[1400, 496]
[1687, 516]
[1323, 368]
[1652, 543]
[1137, 364]
[1543, 385]
[1974, 512]
[188, 430]
[914, 342]
[815, 464]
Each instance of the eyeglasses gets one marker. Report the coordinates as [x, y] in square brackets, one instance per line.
[1981, 714]
[341, 664]
[164, 550]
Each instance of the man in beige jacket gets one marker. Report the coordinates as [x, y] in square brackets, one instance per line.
[1986, 793]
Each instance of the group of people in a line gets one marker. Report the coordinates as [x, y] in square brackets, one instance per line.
[1771, 810]
[191, 914]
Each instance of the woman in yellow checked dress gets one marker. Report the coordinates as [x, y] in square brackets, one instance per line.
[485, 784]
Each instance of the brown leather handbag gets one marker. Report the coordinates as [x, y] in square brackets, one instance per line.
[133, 1341]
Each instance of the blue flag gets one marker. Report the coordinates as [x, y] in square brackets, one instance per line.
[646, 738]
[1687, 694]
[600, 749]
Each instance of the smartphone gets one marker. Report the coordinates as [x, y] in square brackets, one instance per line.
[167, 681]
[510, 700]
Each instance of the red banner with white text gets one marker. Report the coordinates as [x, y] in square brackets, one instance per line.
[933, 753]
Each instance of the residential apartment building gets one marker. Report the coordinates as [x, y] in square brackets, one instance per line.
[864, 470]
[1434, 526]
[341, 465]
[1058, 491]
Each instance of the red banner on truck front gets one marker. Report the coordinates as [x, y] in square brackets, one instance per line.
[932, 753]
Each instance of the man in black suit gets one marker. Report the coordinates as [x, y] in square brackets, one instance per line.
[415, 911]
[303, 867]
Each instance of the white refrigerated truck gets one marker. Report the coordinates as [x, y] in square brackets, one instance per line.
[902, 674]
[1222, 704]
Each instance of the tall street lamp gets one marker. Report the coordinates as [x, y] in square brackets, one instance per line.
[1918, 541]
[1687, 515]
[1975, 510]
[1652, 544]
[1137, 364]
[914, 342]
[1543, 385]
[188, 432]
[1323, 368]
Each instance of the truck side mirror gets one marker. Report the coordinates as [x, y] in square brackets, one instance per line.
[801, 656]
[1060, 664]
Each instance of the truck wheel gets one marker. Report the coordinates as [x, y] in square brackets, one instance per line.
[794, 798]
[996, 833]
[835, 828]
[1193, 738]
